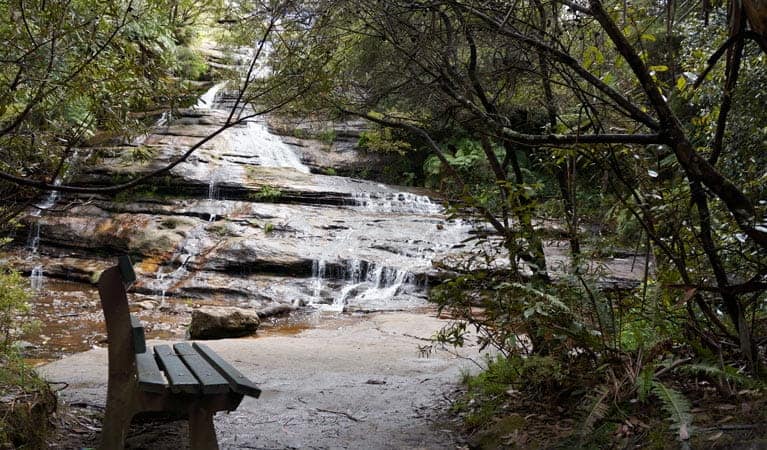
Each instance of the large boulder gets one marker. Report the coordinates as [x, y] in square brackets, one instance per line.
[217, 322]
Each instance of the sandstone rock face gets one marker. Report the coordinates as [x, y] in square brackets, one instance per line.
[218, 322]
[244, 222]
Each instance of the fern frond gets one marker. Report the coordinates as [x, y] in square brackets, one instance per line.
[677, 406]
[594, 409]
[644, 382]
[728, 373]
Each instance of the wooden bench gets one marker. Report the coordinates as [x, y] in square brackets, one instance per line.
[189, 380]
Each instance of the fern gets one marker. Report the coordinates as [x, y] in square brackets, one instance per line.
[728, 373]
[677, 407]
[594, 409]
[645, 383]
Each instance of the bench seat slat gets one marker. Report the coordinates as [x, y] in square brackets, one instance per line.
[239, 382]
[150, 378]
[137, 331]
[212, 382]
[179, 376]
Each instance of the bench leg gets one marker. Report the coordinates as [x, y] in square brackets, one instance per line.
[115, 428]
[202, 434]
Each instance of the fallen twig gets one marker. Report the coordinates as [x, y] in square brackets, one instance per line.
[350, 417]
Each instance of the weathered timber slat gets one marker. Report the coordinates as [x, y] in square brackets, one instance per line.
[212, 382]
[189, 383]
[137, 328]
[239, 382]
[180, 377]
[126, 270]
[150, 379]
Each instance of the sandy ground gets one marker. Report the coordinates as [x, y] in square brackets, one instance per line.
[365, 384]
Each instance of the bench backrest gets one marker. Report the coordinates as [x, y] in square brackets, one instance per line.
[114, 303]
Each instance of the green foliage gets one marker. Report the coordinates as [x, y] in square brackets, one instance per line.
[220, 229]
[724, 373]
[487, 391]
[14, 298]
[677, 407]
[266, 194]
[465, 155]
[593, 410]
[25, 415]
[384, 140]
[644, 383]
[327, 136]
[190, 65]
[28, 400]
[140, 154]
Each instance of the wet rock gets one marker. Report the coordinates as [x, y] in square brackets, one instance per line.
[217, 322]
[24, 345]
[147, 305]
[275, 310]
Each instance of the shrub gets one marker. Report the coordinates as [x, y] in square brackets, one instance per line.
[14, 299]
[27, 400]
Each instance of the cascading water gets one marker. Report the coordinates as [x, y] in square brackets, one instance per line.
[189, 249]
[396, 202]
[341, 276]
[249, 140]
[254, 139]
[207, 100]
[36, 278]
[33, 242]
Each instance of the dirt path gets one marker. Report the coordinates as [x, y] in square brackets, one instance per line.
[361, 385]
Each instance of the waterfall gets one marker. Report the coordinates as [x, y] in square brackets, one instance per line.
[33, 242]
[193, 244]
[359, 279]
[396, 202]
[208, 99]
[187, 251]
[36, 278]
[318, 277]
[254, 139]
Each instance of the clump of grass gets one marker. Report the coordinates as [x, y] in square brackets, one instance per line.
[327, 136]
[267, 194]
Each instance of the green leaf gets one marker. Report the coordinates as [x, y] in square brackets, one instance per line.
[681, 82]
[648, 37]
[676, 406]
[591, 55]
[644, 383]
[594, 409]
[659, 68]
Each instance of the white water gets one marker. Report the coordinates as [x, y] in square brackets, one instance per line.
[207, 100]
[364, 282]
[396, 202]
[254, 139]
[36, 278]
[177, 268]
[33, 242]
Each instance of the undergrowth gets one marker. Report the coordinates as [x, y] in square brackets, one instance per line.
[579, 367]
[26, 401]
